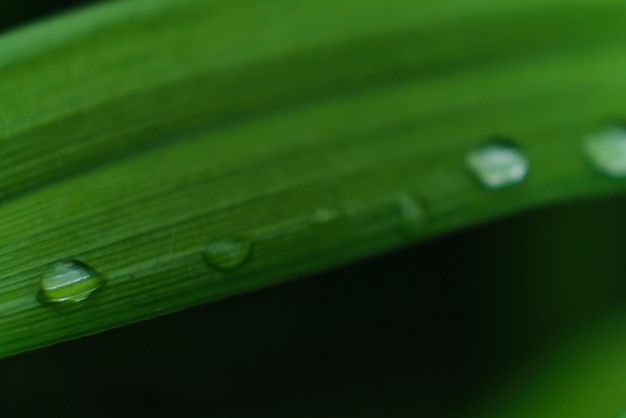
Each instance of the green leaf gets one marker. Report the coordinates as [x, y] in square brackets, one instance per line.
[148, 139]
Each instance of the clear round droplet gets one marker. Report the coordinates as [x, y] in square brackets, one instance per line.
[498, 163]
[413, 216]
[228, 255]
[606, 150]
[69, 281]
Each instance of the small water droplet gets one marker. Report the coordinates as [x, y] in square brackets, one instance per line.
[69, 281]
[498, 163]
[323, 216]
[228, 255]
[373, 215]
[606, 149]
[413, 216]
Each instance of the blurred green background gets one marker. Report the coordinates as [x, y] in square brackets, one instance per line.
[426, 331]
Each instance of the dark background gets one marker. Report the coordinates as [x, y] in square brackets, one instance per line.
[15, 13]
[419, 332]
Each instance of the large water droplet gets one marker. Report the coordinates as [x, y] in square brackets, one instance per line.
[606, 149]
[69, 281]
[413, 217]
[228, 255]
[498, 163]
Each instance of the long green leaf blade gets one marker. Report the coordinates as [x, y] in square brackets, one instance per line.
[137, 136]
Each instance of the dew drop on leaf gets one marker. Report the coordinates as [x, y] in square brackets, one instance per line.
[228, 255]
[498, 163]
[69, 281]
[606, 150]
[413, 216]
[323, 216]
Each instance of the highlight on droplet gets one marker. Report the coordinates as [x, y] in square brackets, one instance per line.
[69, 281]
[606, 150]
[413, 217]
[323, 216]
[498, 163]
[228, 254]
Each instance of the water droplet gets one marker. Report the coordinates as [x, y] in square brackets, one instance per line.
[498, 163]
[228, 255]
[606, 149]
[323, 216]
[369, 217]
[69, 281]
[413, 217]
